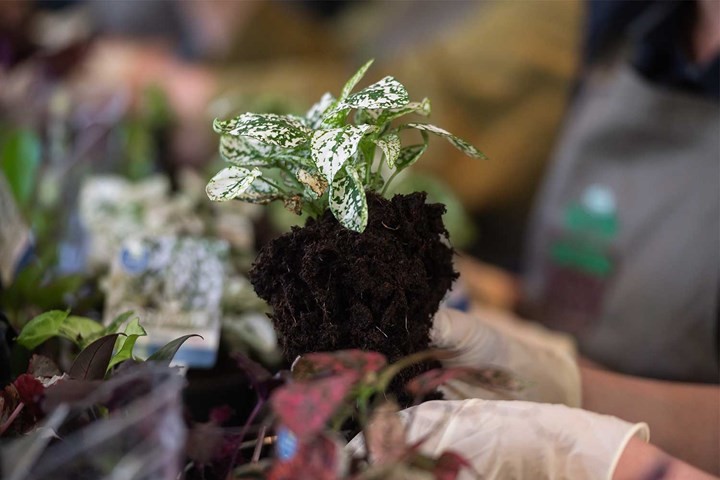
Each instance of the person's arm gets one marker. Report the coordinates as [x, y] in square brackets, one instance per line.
[684, 418]
[645, 461]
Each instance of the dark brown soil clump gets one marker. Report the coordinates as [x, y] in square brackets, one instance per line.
[331, 288]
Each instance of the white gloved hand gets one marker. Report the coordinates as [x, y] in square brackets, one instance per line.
[519, 440]
[542, 360]
[514, 440]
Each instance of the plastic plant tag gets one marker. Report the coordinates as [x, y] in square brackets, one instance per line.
[113, 209]
[174, 285]
[14, 234]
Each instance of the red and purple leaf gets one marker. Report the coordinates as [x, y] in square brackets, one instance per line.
[29, 389]
[304, 407]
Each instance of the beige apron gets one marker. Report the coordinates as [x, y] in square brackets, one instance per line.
[624, 248]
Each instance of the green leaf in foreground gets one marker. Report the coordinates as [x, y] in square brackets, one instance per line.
[41, 328]
[80, 330]
[92, 363]
[166, 353]
[118, 321]
[124, 344]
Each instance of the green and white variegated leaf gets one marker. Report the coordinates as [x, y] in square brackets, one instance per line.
[260, 192]
[246, 151]
[331, 148]
[286, 131]
[313, 118]
[412, 153]
[390, 145]
[458, 143]
[316, 184]
[350, 84]
[230, 182]
[387, 93]
[420, 108]
[334, 117]
[347, 200]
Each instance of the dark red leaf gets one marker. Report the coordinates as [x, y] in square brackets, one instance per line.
[304, 407]
[30, 390]
[318, 459]
[448, 466]
[322, 364]
[92, 363]
[489, 378]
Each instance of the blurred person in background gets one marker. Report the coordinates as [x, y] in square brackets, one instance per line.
[623, 248]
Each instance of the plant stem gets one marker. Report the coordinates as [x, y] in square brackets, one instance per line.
[273, 184]
[259, 444]
[387, 184]
[11, 418]
[244, 430]
[389, 373]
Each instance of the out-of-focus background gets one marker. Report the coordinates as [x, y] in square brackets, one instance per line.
[106, 112]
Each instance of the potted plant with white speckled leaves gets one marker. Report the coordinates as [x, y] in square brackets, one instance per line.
[365, 271]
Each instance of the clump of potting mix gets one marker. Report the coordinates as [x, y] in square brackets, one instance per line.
[376, 291]
[364, 272]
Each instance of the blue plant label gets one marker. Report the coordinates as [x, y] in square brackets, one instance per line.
[286, 445]
[174, 284]
[134, 258]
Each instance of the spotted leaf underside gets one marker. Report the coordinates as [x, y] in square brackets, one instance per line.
[231, 182]
[347, 200]
[391, 148]
[248, 152]
[458, 143]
